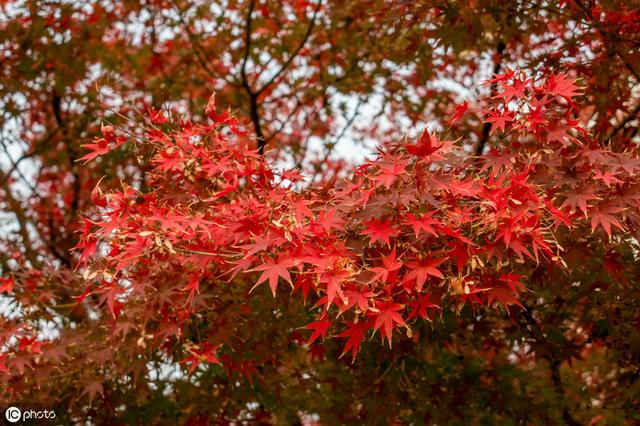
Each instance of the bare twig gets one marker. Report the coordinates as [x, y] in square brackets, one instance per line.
[615, 129]
[295, 53]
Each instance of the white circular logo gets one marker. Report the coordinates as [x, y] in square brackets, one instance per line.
[13, 414]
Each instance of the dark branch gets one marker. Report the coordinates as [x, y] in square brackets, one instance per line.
[295, 53]
[254, 108]
[612, 38]
[615, 129]
[486, 128]
[57, 111]
[21, 215]
[254, 112]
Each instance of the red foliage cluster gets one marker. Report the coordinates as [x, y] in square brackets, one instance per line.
[417, 228]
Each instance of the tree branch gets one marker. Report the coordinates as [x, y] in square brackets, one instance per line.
[21, 216]
[254, 112]
[295, 53]
[486, 128]
[254, 108]
[615, 129]
[199, 50]
[608, 36]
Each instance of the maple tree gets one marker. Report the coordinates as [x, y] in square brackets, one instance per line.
[186, 238]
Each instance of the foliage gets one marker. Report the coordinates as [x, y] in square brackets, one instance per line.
[172, 256]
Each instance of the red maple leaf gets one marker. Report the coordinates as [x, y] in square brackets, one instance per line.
[210, 110]
[7, 285]
[92, 389]
[603, 215]
[273, 271]
[607, 177]
[355, 332]
[459, 111]
[387, 318]
[319, 328]
[422, 269]
[97, 149]
[389, 171]
[326, 221]
[422, 223]
[501, 294]
[561, 85]
[499, 119]
[334, 282]
[419, 307]
[390, 264]
[357, 297]
[156, 116]
[579, 199]
[505, 76]
[513, 90]
[427, 145]
[380, 230]
[207, 353]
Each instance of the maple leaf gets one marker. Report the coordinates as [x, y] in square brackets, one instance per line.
[157, 117]
[210, 110]
[292, 175]
[513, 281]
[327, 220]
[419, 307]
[359, 298]
[559, 134]
[579, 199]
[387, 318]
[304, 282]
[97, 149]
[603, 215]
[193, 287]
[499, 119]
[7, 285]
[30, 344]
[561, 216]
[206, 353]
[273, 271]
[459, 111]
[391, 263]
[505, 76]
[380, 230]
[428, 145]
[422, 269]
[501, 294]
[355, 332]
[169, 159]
[224, 118]
[334, 282]
[261, 243]
[92, 389]
[390, 171]
[607, 177]
[513, 90]
[625, 162]
[422, 223]
[319, 328]
[498, 160]
[561, 85]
